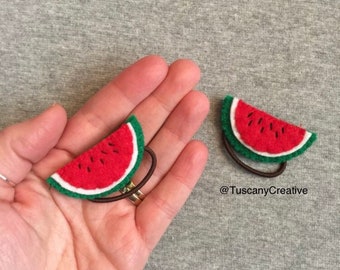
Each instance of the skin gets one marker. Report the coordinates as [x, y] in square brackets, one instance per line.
[43, 229]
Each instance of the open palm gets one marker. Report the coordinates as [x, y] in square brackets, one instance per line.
[42, 229]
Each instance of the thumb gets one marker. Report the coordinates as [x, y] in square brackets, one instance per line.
[26, 143]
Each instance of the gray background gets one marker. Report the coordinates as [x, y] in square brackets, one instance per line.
[282, 56]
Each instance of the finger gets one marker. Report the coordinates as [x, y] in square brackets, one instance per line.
[174, 135]
[24, 144]
[105, 111]
[182, 77]
[110, 106]
[161, 205]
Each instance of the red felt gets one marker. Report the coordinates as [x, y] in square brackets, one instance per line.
[90, 170]
[265, 133]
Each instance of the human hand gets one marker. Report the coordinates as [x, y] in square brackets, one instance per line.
[43, 229]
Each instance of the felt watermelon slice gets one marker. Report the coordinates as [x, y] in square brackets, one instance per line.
[259, 135]
[105, 168]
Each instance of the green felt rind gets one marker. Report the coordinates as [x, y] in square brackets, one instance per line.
[69, 193]
[140, 146]
[240, 148]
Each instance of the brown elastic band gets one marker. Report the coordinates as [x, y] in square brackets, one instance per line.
[138, 187]
[247, 167]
